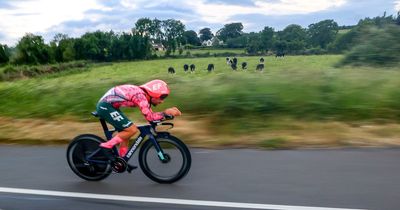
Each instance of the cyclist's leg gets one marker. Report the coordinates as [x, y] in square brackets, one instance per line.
[123, 148]
[126, 134]
[121, 123]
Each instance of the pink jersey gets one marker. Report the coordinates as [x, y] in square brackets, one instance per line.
[131, 96]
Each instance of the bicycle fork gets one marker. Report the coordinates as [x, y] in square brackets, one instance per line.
[160, 153]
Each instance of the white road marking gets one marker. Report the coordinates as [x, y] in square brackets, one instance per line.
[164, 200]
[202, 152]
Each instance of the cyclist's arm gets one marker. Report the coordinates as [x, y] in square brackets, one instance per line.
[144, 107]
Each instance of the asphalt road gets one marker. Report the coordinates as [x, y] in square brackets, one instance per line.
[286, 179]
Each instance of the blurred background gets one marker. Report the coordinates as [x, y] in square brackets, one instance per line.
[323, 84]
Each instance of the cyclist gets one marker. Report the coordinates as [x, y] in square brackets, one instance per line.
[151, 93]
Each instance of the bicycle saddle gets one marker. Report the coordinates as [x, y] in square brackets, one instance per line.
[95, 114]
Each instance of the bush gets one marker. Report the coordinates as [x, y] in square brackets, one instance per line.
[378, 46]
[17, 72]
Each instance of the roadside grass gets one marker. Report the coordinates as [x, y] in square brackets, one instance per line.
[281, 133]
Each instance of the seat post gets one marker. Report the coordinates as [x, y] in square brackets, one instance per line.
[107, 132]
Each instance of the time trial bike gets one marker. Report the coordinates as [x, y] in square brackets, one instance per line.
[162, 157]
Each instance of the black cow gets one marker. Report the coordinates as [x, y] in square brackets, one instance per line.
[261, 60]
[228, 61]
[171, 70]
[244, 65]
[192, 67]
[235, 61]
[210, 67]
[280, 54]
[260, 67]
[185, 68]
[234, 66]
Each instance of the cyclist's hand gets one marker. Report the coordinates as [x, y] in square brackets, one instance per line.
[173, 111]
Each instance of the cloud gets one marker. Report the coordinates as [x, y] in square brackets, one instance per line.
[397, 5]
[40, 15]
[223, 12]
[75, 17]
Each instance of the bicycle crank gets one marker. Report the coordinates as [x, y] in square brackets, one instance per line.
[119, 165]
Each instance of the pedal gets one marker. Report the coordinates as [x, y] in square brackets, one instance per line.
[129, 168]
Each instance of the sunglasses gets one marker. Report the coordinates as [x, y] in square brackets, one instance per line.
[163, 96]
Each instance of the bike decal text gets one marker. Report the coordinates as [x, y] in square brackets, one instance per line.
[132, 150]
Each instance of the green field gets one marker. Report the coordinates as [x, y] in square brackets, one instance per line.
[300, 87]
[298, 101]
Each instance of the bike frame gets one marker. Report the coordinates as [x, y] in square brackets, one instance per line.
[145, 131]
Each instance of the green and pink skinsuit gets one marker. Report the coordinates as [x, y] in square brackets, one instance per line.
[124, 96]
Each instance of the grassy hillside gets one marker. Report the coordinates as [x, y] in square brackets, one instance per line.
[306, 87]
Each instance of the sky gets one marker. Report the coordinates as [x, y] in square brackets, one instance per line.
[76, 17]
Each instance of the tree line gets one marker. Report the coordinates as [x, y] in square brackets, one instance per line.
[325, 36]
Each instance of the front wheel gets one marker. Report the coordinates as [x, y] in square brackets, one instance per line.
[173, 167]
[86, 160]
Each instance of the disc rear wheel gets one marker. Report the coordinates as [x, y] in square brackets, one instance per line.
[86, 160]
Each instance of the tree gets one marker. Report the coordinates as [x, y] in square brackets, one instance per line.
[231, 30]
[144, 27]
[237, 42]
[69, 51]
[108, 46]
[205, 34]
[31, 49]
[63, 48]
[294, 32]
[4, 54]
[122, 47]
[379, 21]
[280, 46]
[95, 46]
[190, 37]
[254, 44]
[155, 31]
[267, 38]
[173, 32]
[295, 37]
[322, 33]
[345, 41]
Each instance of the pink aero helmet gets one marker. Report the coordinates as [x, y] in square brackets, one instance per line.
[156, 89]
